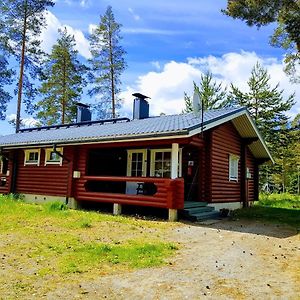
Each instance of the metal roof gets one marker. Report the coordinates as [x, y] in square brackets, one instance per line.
[151, 128]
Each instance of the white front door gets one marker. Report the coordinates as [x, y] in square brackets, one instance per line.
[136, 167]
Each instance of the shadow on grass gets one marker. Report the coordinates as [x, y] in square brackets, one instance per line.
[259, 220]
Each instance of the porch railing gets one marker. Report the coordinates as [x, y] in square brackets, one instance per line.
[169, 192]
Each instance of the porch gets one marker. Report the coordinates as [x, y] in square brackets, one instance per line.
[159, 176]
[156, 192]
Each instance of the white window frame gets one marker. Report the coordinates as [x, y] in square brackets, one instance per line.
[152, 162]
[234, 167]
[27, 154]
[48, 152]
[129, 161]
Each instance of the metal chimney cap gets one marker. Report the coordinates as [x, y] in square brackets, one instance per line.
[140, 96]
[82, 105]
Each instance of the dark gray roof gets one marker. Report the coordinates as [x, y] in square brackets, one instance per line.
[162, 126]
[182, 125]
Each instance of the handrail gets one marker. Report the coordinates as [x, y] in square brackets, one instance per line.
[126, 178]
[169, 191]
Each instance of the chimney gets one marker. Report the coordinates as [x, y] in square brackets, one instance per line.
[140, 106]
[83, 113]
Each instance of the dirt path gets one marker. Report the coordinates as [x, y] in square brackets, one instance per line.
[225, 260]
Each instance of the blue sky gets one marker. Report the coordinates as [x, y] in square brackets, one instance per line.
[169, 45]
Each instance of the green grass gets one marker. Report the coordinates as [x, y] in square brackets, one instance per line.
[283, 200]
[53, 243]
[275, 208]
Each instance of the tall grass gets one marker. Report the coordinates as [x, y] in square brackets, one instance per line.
[276, 208]
[283, 200]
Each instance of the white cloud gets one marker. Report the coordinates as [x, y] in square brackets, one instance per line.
[166, 87]
[50, 34]
[26, 122]
[92, 27]
[82, 44]
[84, 3]
[135, 16]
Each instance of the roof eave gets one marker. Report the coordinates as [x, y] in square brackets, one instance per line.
[229, 117]
[111, 139]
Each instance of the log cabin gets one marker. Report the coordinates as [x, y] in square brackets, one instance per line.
[193, 163]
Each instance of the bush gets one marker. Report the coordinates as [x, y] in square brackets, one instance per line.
[284, 200]
[56, 206]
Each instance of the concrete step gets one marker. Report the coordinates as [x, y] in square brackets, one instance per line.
[195, 210]
[205, 216]
[191, 204]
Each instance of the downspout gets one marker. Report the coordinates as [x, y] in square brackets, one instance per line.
[69, 170]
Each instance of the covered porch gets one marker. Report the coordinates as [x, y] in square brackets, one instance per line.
[162, 175]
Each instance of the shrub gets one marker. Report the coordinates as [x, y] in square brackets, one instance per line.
[56, 206]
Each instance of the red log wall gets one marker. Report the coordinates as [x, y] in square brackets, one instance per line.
[43, 180]
[225, 140]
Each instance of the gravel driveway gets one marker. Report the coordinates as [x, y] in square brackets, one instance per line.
[223, 260]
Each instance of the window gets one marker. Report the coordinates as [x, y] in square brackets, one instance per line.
[32, 157]
[161, 163]
[233, 167]
[137, 163]
[52, 158]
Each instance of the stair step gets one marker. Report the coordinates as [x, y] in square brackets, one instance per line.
[195, 210]
[190, 204]
[205, 216]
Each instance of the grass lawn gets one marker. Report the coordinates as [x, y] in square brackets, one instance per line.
[53, 244]
[280, 208]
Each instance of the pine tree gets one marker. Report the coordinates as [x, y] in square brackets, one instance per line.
[268, 108]
[188, 103]
[63, 81]
[263, 12]
[107, 64]
[5, 78]
[21, 22]
[212, 94]
[265, 104]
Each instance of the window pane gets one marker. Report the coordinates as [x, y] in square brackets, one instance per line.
[54, 156]
[162, 164]
[133, 157]
[167, 155]
[158, 155]
[33, 156]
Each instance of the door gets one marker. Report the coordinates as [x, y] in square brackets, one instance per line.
[136, 167]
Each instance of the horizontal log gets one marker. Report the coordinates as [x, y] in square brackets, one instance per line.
[125, 202]
[123, 196]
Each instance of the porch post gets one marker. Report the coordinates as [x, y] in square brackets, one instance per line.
[173, 215]
[174, 160]
[117, 210]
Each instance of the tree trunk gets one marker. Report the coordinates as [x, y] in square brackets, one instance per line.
[20, 84]
[63, 111]
[112, 77]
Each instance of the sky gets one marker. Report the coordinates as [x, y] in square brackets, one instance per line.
[169, 44]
